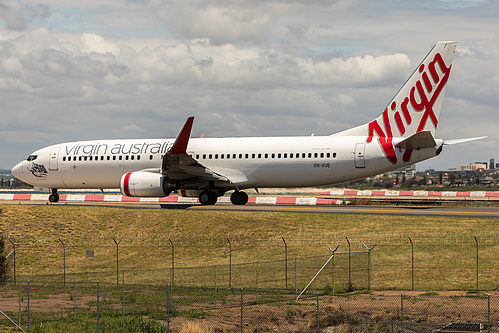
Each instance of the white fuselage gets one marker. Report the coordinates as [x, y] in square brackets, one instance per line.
[250, 162]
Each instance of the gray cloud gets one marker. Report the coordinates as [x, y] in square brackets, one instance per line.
[253, 68]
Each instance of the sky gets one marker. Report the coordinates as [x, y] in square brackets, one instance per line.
[80, 70]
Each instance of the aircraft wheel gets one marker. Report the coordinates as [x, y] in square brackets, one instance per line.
[239, 198]
[54, 198]
[208, 198]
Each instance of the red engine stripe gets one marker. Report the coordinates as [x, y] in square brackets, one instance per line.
[126, 188]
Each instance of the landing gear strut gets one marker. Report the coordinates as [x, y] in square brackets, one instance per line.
[239, 198]
[54, 197]
[207, 198]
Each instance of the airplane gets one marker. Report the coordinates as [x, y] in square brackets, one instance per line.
[207, 168]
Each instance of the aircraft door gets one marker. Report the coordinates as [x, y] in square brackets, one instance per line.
[360, 150]
[53, 164]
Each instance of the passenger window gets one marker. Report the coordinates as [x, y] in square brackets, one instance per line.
[334, 155]
[221, 156]
[210, 156]
[132, 157]
[216, 156]
[266, 155]
[240, 156]
[108, 158]
[79, 158]
[228, 156]
[259, 155]
[309, 155]
[273, 155]
[291, 155]
[328, 155]
[279, 155]
[138, 157]
[64, 158]
[322, 155]
[90, 158]
[114, 158]
[150, 157]
[246, 156]
[85, 158]
[252, 155]
[204, 156]
[197, 156]
[316, 155]
[285, 155]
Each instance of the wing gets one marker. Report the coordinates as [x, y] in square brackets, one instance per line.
[178, 165]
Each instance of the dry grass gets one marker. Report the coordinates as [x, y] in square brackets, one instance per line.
[442, 244]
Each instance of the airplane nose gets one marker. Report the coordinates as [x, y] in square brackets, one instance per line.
[17, 171]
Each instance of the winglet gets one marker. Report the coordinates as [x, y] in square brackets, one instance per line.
[180, 145]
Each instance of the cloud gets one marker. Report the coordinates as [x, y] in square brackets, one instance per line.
[17, 16]
[99, 69]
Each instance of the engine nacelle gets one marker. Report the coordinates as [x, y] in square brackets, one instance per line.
[196, 193]
[189, 193]
[145, 184]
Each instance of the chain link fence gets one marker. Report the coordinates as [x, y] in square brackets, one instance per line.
[89, 307]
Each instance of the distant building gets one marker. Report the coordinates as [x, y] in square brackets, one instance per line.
[492, 164]
[477, 166]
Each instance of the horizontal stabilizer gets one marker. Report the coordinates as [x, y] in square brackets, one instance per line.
[419, 140]
[456, 141]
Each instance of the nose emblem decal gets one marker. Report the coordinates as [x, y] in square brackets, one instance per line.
[38, 170]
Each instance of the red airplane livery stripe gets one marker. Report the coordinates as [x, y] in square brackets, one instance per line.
[126, 188]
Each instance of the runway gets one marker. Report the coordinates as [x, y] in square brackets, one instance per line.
[475, 212]
[484, 212]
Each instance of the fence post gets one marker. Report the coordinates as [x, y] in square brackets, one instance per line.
[230, 263]
[215, 286]
[412, 261]
[98, 309]
[19, 299]
[286, 261]
[74, 295]
[488, 316]
[349, 263]
[257, 282]
[242, 310]
[117, 267]
[476, 241]
[173, 260]
[14, 245]
[123, 284]
[402, 311]
[369, 263]
[168, 310]
[64, 261]
[318, 324]
[333, 260]
[296, 277]
[28, 305]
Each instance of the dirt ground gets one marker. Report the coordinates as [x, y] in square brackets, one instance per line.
[373, 312]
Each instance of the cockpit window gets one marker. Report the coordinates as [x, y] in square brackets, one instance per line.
[32, 158]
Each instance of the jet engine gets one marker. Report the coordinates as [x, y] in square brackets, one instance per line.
[146, 184]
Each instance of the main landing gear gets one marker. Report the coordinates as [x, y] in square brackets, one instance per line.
[210, 198]
[207, 198]
[239, 198]
[54, 197]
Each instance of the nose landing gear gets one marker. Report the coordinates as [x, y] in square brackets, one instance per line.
[54, 197]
